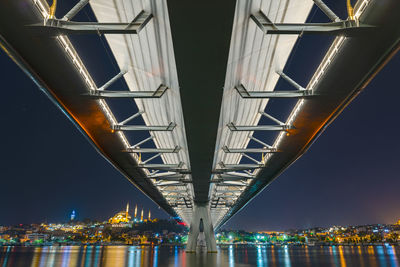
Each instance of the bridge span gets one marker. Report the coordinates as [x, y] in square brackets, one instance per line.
[200, 140]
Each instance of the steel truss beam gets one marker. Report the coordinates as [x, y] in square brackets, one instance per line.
[112, 80]
[55, 27]
[233, 167]
[231, 183]
[177, 177]
[273, 94]
[163, 167]
[251, 128]
[120, 127]
[234, 177]
[166, 184]
[81, 4]
[327, 10]
[236, 167]
[129, 94]
[228, 191]
[153, 150]
[340, 28]
[217, 201]
[221, 204]
[175, 205]
[225, 195]
[249, 150]
[172, 169]
[176, 198]
[172, 191]
[181, 180]
[156, 175]
[237, 174]
[230, 179]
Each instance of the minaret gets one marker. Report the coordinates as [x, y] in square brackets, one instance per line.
[135, 211]
[149, 215]
[127, 211]
[141, 216]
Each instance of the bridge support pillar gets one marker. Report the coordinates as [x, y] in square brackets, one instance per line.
[201, 222]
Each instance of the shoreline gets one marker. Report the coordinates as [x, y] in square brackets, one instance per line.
[219, 245]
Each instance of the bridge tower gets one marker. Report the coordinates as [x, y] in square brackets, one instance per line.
[201, 222]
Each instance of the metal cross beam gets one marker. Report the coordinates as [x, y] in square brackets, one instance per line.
[167, 184]
[250, 128]
[157, 175]
[273, 94]
[119, 127]
[63, 27]
[228, 191]
[341, 28]
[232, 176]
[237, 174]
[164, 167]
[182, 205]
[227, 194]
[153, 150]
[226, 204]
[176, 169]
[129, 94]
[236, 167]
[231, 183]
[242, 166]
[230, 179]
[175, 196]
[176, 178]
[173, 191]
[249, 150]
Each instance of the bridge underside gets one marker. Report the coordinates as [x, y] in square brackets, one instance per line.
[203, 99]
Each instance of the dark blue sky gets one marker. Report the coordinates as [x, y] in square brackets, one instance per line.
[349, 176]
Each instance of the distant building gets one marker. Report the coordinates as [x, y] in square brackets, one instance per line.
[73, 215]
[121, 217]
[36, 237]
[398, 222]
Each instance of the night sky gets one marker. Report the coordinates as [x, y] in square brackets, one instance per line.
[349, 176]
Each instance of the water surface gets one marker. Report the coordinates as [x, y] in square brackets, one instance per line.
[240, 255]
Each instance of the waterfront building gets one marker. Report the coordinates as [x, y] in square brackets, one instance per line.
[33, 237]
[121, 217]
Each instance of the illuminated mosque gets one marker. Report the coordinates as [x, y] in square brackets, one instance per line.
[124, 217]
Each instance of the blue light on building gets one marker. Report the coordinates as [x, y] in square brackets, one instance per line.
[73, 215]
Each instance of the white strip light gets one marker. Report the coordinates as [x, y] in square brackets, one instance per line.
[332, 52]
[83, 71]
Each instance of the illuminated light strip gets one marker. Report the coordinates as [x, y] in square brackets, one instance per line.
[362, 8]
[42, 7]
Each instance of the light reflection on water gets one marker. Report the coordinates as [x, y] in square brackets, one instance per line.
[174, 256]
